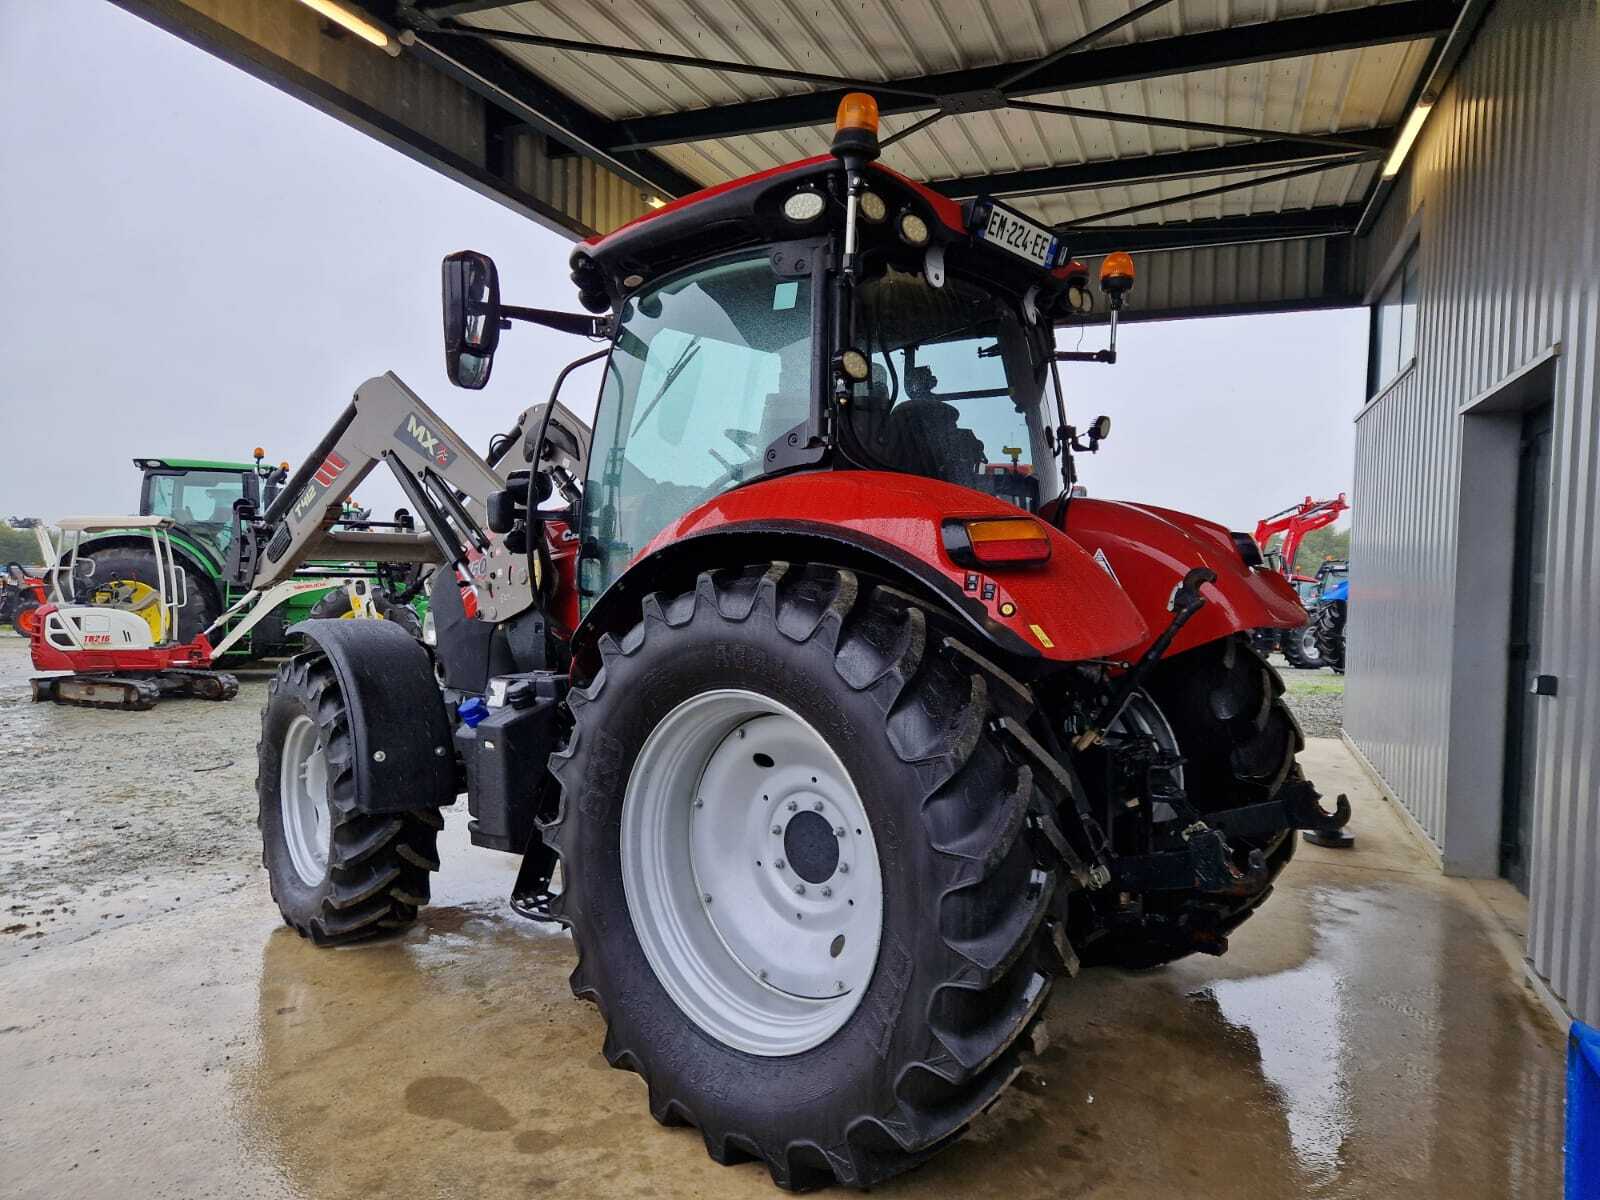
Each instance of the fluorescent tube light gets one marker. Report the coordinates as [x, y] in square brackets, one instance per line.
[1408, 135]
[363, 29]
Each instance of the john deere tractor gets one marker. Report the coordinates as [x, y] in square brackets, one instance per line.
[852, 730]
[118, 568]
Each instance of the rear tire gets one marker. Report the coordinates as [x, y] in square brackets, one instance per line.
[136, 563]
[337, 875]
[1330, 633]
[962, 967]
[336, 605]
[1300, 647]
[1225, 707]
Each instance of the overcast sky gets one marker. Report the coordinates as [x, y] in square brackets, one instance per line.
[193, 263]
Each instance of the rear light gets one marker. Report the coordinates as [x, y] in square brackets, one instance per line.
[996, 541]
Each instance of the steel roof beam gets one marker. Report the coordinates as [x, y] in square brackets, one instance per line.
[1406, 20]
[1329, 221]
[540, 106]
[1180, 164]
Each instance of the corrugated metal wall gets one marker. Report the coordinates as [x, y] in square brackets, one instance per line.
[1251, 277]
[1506, 181]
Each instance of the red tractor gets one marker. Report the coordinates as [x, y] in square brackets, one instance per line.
[1299, 645]
[847, 744]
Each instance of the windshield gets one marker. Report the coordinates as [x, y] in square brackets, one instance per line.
[200, 500]
[708, 371]
[957, 390]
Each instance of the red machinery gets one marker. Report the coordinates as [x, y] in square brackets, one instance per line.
[1294, 523]
[848, 744]
[21, 594]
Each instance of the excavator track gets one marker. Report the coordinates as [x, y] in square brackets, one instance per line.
[134, 693]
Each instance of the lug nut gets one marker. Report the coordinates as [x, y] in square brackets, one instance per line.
[777, 829]
[817, 807]
[706, 897]
[844, 868]
[799, 889]
[792, 806]
[699, 803]
[826, 890]
[838, 985]
[838, 831]
[761, 975]
[378, 756]
[778, 864]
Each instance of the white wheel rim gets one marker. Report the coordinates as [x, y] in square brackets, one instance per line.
[303, 800]
[765, 940]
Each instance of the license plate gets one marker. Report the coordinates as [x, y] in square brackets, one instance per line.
[1010, 230]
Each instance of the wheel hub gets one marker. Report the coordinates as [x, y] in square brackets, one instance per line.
[751, 872]
[303, 799]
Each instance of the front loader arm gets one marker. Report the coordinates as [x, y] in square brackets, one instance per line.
[443, 478]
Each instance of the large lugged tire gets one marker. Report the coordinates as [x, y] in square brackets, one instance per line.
[137, 565]
[1238, 739]
[671, 820]
[337, 875]
[336, 605]
[1300, 646]
[1330, 624]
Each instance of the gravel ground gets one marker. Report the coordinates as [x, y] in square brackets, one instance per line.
[103, 810]
[1315, 697]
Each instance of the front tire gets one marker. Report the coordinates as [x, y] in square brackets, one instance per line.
[1330, 633]
[851, 706]
[25, 619]
[337, 875]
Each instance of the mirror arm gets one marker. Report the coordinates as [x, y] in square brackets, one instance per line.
[580, 323]
[1099, 356]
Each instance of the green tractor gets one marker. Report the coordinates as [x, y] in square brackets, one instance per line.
[199, 495]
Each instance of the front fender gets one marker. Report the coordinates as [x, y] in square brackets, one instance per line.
[404, 758]
[1063, 610]
[1149, 549]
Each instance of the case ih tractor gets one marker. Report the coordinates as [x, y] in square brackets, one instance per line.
[848, 744]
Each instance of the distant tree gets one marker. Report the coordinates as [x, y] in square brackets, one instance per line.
[18, 545]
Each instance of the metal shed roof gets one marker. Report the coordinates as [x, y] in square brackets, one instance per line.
[1306, 96]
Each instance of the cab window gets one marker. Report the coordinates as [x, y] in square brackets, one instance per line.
[709, 369]
[956, 390]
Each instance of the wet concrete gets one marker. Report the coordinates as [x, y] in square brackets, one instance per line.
[1364, 1038]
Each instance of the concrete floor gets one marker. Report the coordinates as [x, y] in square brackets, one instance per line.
[1366, 1036]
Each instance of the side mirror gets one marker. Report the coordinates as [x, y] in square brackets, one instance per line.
[470, 297]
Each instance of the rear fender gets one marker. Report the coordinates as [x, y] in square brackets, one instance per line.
[1148, 550]
[889, 525]
[403, 755]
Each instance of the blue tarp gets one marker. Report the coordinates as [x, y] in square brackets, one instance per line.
[1583, 1113]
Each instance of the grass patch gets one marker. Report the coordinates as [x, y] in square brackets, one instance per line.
[1333, 685]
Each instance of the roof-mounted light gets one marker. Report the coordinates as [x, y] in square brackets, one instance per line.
[913, 229]
[803, 206]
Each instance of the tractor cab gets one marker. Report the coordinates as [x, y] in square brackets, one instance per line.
[802, 318]
[198, 495]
